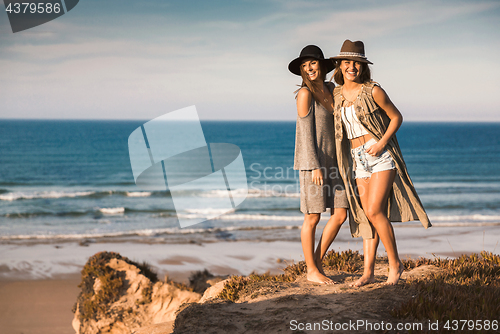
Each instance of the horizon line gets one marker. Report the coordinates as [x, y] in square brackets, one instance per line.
[227, 120]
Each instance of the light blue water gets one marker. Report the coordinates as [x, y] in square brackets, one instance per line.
[72, 179]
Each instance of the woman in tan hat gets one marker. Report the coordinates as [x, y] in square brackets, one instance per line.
[378, 186]
[320, 184]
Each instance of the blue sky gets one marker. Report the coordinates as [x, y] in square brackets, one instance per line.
[120, 59]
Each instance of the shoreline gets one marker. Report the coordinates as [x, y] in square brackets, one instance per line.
[204, 234]
[34, 259]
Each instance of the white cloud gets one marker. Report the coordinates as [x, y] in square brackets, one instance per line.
[236, 68]
[381, 20]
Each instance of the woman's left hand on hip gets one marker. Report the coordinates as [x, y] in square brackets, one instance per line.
[376, 149]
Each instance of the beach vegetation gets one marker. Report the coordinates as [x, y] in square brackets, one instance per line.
[102, 285]
[349, 261]
[468, 287]
[145, 269]
[198, 280]
[146, 293]
[178, 285]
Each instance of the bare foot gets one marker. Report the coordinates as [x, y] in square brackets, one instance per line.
[395, 274]
[317, 277]
[319, 265]
[363, 280]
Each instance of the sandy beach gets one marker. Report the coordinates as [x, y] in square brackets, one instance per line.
[38, 281]
[38, 306]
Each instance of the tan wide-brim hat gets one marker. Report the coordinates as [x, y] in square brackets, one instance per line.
[352, 51]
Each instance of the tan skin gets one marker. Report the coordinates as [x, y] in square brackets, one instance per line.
[374, 191]
[314, 258]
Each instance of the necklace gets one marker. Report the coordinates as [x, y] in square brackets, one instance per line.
[325, 96]
[349, 102]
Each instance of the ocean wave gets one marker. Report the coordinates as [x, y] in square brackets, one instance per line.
[260, 217]
[143, 232]
[246, 217]
[251, 193]
[272, 193]
[209, 211]
[223, 193]
[80, 213]
[467, 218]
[131, 193]
[29, 215]
[457, 185]
[74, 236]
[464, 224]
[112, 211]
[138, 193]
[14, 196]
[294, 209]
[442, 193]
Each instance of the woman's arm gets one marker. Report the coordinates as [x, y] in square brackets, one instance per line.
[304, 98]
[382, 99]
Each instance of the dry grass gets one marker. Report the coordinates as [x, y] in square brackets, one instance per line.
[349, 261]
[146, 293]
[198, 281]
[91, 304]
[178, 285]
[468, 288]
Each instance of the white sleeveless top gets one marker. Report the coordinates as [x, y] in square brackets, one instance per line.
[354, 128]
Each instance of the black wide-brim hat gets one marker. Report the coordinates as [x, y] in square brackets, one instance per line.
[352, 51]
[310, 51]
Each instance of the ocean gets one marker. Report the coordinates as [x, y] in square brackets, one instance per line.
[72, 180]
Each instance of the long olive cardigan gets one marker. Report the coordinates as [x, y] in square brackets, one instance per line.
[404, 203]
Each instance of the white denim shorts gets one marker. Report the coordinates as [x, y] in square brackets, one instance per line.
[367, 164]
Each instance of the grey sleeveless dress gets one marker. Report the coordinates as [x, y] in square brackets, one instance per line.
[315, 148]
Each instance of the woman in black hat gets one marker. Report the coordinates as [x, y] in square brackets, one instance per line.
[321, 186]
[380, 191]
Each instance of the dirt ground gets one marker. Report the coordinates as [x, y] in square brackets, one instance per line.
[303, 307]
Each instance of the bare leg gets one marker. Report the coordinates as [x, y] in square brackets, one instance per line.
[307, 235]
[337, 218]
[370, 253]
[374, 206]
[369, 245]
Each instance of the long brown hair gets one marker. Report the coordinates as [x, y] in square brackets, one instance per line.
[366, 75]
[305, 78]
